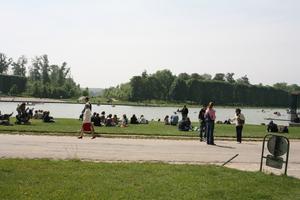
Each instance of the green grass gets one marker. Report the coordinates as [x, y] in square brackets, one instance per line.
[48, 179]
[72, 127]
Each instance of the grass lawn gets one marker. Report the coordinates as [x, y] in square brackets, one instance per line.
[48, 179]
[72, 127]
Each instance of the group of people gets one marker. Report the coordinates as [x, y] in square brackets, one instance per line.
[43, 115]
[114, 120]
[207, 116]
[173, 120]
[184, 124]
[24, 114]
[272, 127]
[89, 120]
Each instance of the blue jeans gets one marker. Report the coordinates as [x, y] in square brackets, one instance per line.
[210, 126]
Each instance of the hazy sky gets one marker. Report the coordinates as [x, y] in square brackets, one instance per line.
[106, 42]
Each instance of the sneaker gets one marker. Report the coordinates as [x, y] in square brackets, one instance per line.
[93, 137]
[80, 137]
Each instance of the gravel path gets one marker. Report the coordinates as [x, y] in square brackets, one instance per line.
[142, 150]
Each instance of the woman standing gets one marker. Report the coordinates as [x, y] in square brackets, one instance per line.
[87, 126]
[240, 121]
[210, 116]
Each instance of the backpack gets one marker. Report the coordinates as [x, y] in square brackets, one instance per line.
[240, 121]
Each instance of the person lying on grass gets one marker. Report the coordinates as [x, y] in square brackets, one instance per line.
[87, 126]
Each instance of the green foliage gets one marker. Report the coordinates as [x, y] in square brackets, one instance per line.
[13, 90]
[223, 89]
[122, 91]
[286, 87]
[4, 63]
[85, 92]
[229, 78]
[7, 82]
[51, 81]
[179, 90]
[219, 77]
[19, 67]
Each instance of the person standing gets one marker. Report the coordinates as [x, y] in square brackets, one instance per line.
[87, 126]
[87, 101]
[240, 121]
[210, 116]
[184, 112]
[202, 123]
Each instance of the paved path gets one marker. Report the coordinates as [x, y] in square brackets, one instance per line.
[140, 150]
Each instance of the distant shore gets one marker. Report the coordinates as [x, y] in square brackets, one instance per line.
[30, 99]
[115, 103]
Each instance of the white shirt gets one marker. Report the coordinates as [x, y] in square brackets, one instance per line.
[87, 116]
[240, 116]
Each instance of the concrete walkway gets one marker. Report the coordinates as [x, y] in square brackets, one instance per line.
[141, 150]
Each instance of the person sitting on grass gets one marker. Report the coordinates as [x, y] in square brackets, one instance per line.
[185, 124]
[174, 119]
[166, 120]
[22, 116]
[97, 120]
[102, 118]
[109, 120]
[115, 120]
[47, 118]
[133, 120]
[124, 122]
[272, 127]
[87, 126]
[143, 120]
[93, 116]
[38, 114]
[4, 119]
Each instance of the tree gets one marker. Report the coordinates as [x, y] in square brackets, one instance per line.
[206, 76]
[184, 76]
[45, 68]
[34, 72]
[137, 91]
[144, 74]
[165, 78]
[13, 90]
[229, 78]
[219, 77]
[179, 90]
[85, 92]
[19, 67]
[4, 63]
[58, 75]
[196, 76]
[282, 86]
[243, 80]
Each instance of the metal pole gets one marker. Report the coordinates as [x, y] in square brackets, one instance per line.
[262, 153]
[287, 156]
[230, 159]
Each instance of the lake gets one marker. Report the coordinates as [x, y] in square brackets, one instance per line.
[64, 110]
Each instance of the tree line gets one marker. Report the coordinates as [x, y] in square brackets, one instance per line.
[200, 89]
[38, 78]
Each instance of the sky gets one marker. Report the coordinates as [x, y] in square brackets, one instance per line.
[106, 42]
